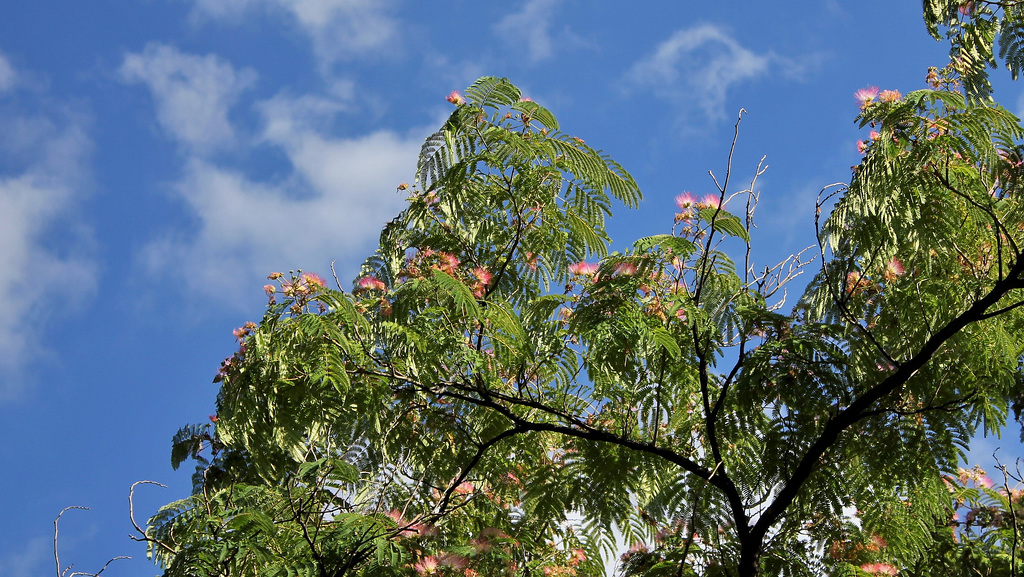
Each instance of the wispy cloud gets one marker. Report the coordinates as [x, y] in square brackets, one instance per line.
[7, 76]
[31, 560]
[192, 93]
[329, 206]
[530, 28]
[338, 29]
[697, 67]
[43, 248]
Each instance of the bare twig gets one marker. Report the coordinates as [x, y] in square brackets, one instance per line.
[56, 556]
[131, 515]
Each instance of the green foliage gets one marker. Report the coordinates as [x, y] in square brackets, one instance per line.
[485, 400]
[978, 31]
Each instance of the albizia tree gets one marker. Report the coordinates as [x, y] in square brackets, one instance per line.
[499, 395]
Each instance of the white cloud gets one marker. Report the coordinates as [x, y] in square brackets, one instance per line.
[335, 195]
[7, 74]
[43, 250]
[695, 69]
[338, 29]
[248, 229]
[30, 561]
[193, 93]
[530, 27]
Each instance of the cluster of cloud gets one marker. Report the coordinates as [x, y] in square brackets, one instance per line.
[337, 29]
[695, 68]
[530, 27]
[43, 250]
[337, 190]
[329, 206]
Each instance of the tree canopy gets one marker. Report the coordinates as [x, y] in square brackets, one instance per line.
[500, 394]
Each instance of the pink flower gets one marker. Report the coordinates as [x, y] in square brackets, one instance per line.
[709, 201]
[625, 268]
[874, 135]
[313, 280]
[464, 488]
[984, 481]
[482, 274]
[269, 289]
[880, 569]
[894, 269]
[855, 282]
[967, 8]
[455, 98]
[686, 201]
[370, 283]
[583, 268]
[426, 566]
[862, 146]
[531, 261]
[525, 99]
[274, 276]
[890, 96]
[449, 262]
[866, 95]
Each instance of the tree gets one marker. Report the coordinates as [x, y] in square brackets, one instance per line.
[500, 395]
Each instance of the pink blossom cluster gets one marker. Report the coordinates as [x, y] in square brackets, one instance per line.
[688, 205]
[894, 269]
[230, 364]
[583, 269]
[455, 98]
[481, 281]
[300, 287]
[370, 283]
[880, 569]
[866, 96]
[975, 475]
[420, 264]
[409, 529]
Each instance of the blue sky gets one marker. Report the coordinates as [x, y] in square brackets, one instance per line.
[158, 158]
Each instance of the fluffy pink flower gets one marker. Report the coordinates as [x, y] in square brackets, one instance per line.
[874, 135]
[313, 280]
[370, 283]
[889, 96]
[862, 146]
[880, 569]
[482, 274]
[583, 268]
[709, 201]
[856, 282]
[464, 488]
[894, 269]
[449, 262]
[426, 566]
[455, 98]
[686, 201]
[866, 95]
[967, 8]
[525, 99]
[625, 268]
[269, 289]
